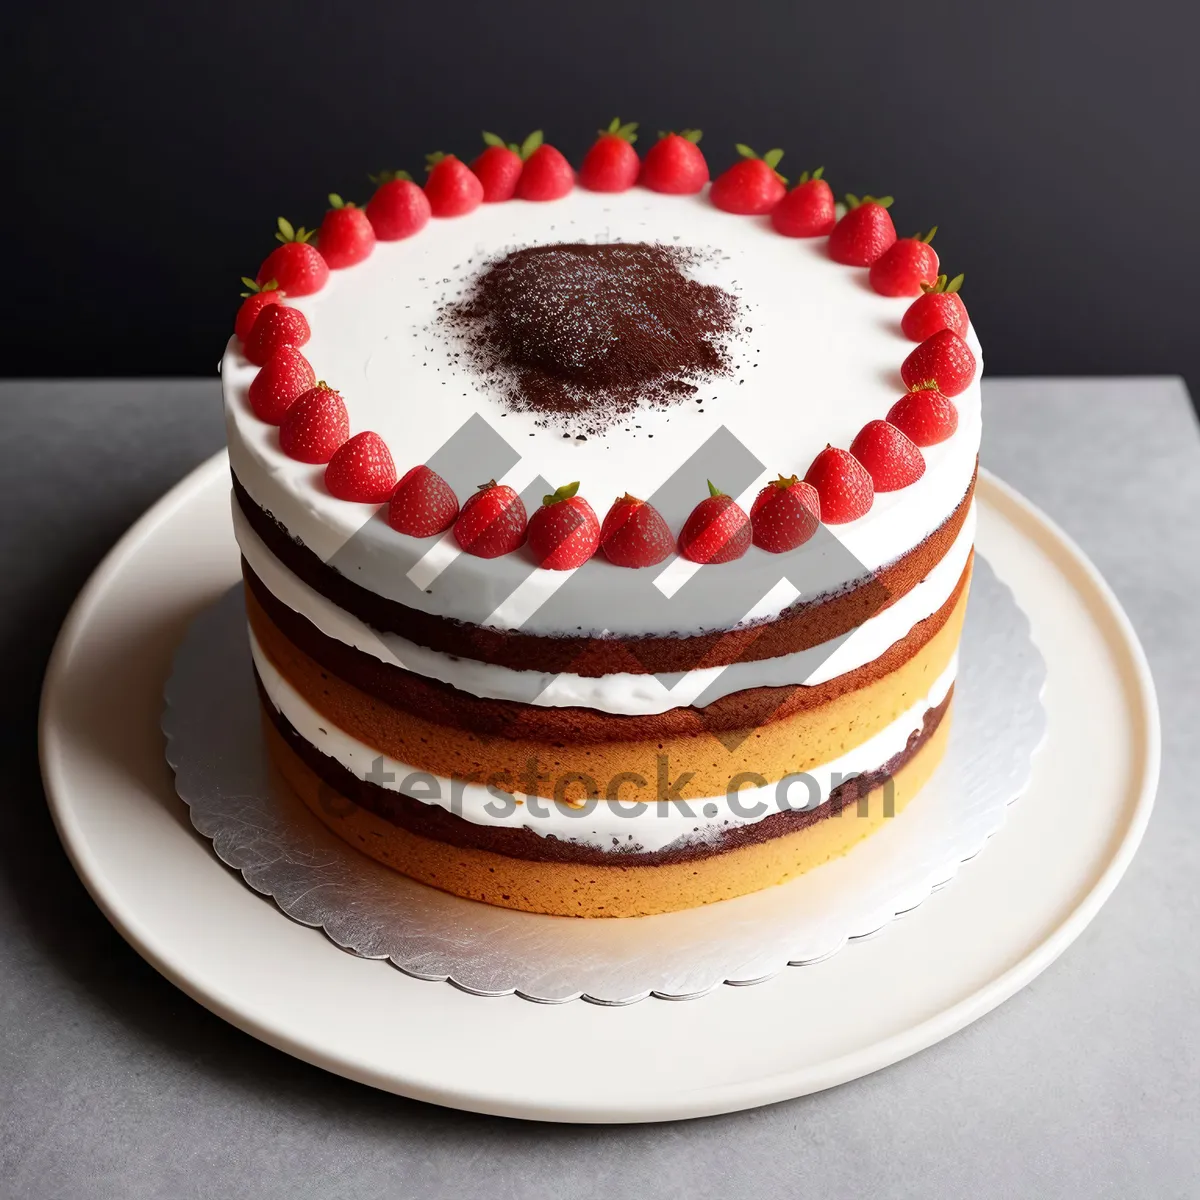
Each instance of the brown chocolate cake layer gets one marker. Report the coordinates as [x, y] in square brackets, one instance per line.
[798, 628]
[436, 823]
[448, 706]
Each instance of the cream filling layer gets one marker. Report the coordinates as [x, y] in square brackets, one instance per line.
[608, 825]
[621, 693]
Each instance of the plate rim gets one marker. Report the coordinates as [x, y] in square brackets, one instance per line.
[790, 1082]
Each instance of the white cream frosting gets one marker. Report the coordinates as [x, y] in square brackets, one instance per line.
[822, 359]
[605, 824]
[621, 693]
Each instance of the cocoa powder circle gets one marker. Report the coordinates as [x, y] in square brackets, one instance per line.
[585, 333]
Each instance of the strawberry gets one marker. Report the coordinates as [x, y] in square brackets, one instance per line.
[785, 514]
[944, 358]
[564, 532]
[277, 325]
[891, 459]
[253, 302]
[864, 233]
[807, 210]
[346, 236]
[423, 504]
[492, 522]
[634, 534]
[546, 175]
[905, 266]
[717, 531]
[925, 416]
[750, 187]
[612, 164]
[451, 189]
[285, 377]
[498, 168]
[314, 426]
[674, 164]
[938, 307]
[362, 470]
[297, 268]
[843, 484]
[399, 208]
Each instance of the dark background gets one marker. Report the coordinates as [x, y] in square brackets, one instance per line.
[1055, 144]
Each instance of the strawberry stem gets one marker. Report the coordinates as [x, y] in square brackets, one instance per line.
[270, 286]
[563, 493]
[381, 177]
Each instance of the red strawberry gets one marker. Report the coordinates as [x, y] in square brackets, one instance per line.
[785, 514]
[925, 416]
[905, 266]
[422, 504]
[843, 484]
[718, 531]
[807, 210]
[277, 325]
[253, 302]
[891, 459]
[864, 233]
[346, 235]
[634, 534]
[938, 307]
[285, 377]
[546, 175]
[314, 426]
[752, 186]
[296, 267]
[451, 189]
[492, 521]
[498, 168]
[564, 532]
[674, 164]
[612, 164]
[399, 208]
[945, 359]
[362, 470]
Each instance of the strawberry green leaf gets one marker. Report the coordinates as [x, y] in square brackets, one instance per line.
[744, 150]
[852, 201]
[818, 173]
[614, 125]
[432, 160]
[692, 135]
[248, 282]
[954, 284]
[563, 493]
[493, 139]
[929, 236]
[286, 232]
[772, 157]
[713, 490]
[531, 143]
[335, 201]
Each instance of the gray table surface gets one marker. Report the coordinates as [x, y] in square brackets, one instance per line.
[1087, 1083]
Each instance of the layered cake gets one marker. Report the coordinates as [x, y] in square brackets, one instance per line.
[606, 534]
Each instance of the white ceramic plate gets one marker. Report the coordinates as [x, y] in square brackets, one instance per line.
[1004, 919]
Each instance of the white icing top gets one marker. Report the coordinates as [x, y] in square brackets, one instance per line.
[622, 693]
[822, 359]
[607, 825]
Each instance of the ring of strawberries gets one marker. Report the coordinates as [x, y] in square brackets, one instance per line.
[564, 533]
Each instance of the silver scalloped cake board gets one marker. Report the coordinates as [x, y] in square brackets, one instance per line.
[259, 828]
